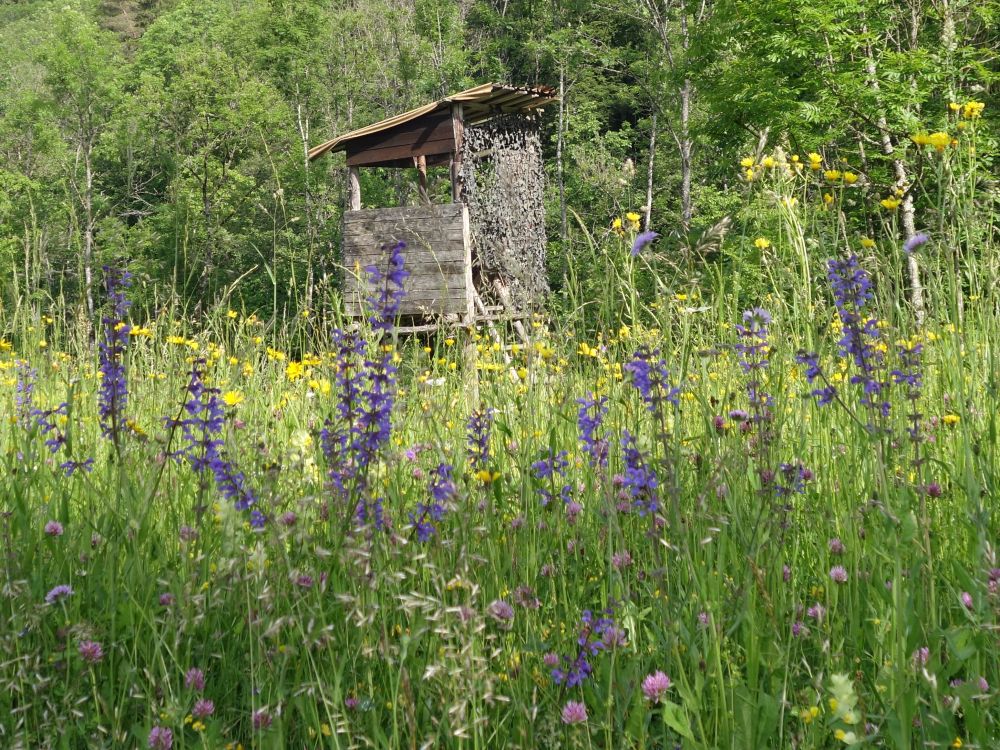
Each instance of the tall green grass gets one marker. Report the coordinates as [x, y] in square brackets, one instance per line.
[333, 635]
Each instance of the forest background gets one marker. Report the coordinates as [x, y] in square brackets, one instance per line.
[173, 133]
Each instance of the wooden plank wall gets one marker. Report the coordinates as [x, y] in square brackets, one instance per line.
[437, 255]
[433, 134]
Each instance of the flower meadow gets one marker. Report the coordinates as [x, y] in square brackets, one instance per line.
[697, 524]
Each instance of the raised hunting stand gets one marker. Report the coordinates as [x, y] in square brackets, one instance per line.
[480, 257]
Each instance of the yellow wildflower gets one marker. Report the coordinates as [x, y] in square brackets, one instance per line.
[954, 106]
[749, 175]
[815, 161]
[294, 370]
[275, 355]
[232, 398]
[939, 141]
[827, 198]
[850, 178]
[833, 174]
[951, 419]
[972, 110]
[891, 203]
[746, 162]
[762, 243]
[867, 242]
[231, 313]
[768, 162]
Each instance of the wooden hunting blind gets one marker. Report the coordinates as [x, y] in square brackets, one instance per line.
[482, 256]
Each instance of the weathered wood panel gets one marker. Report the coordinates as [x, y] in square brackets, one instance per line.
[447, 211]
[437, 256]
[426, 135]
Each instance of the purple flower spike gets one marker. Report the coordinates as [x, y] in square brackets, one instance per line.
[642, 239]
[914, 242]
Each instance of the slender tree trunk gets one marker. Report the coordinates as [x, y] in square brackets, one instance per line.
[559, 155]
[88, 230]
[648, 220]
[303, 123]
[907, 213]
[686, 145]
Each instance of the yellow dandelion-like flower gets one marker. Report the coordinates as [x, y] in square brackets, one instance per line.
[954, 106]
[827, 198]
[951, 419]
[940, 141]
[768, 162]
[232, 398]
[747, 162]
[850, 178]
[972, 110]
[833, 174]
[231, 314]
[867, 242]
[815, 161]
[749, 175]
[294, 371]
[891, 203]
[762, 243]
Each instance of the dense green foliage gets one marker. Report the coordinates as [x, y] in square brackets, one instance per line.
[172, 132]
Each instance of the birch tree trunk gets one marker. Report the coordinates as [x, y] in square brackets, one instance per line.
[559, 154]
[648, 220]
[907, 213]
[88, 229]
[686, 146]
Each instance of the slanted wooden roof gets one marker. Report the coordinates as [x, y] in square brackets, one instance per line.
[433, 133]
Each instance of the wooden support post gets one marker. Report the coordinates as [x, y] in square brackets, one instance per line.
[458, 128]
[353, 189]
[469, 319]
[420, 162]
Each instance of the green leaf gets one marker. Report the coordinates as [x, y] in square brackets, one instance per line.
[676, 718]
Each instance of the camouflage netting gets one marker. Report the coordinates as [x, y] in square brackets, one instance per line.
[503, 187]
